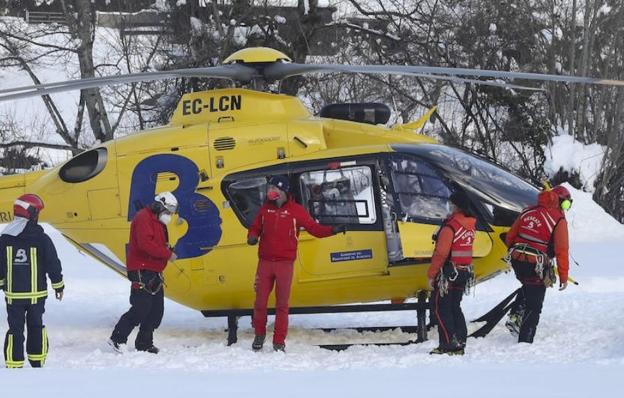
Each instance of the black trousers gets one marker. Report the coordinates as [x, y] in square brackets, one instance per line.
[450, 317]
[37, 341]
[529, 301]
[146, 311]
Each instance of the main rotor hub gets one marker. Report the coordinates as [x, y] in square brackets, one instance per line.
[256, 55]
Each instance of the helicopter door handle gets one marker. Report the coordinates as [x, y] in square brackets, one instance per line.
[300, 141]
[225, 119]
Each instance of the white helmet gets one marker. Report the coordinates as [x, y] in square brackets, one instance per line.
[168, 201]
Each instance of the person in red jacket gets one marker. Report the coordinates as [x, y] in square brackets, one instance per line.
[276, 226]
[537, 236]
[449, 273]
[148, 253]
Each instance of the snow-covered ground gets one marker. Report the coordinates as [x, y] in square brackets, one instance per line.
[579, 348]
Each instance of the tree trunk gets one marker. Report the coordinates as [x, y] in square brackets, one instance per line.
[81, 14]
[572, 69]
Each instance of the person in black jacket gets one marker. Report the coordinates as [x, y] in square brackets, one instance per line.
[27, 255]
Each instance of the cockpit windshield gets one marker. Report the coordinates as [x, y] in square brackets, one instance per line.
[485, 179]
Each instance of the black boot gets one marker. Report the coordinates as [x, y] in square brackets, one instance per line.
[151, 349]
[257, 343]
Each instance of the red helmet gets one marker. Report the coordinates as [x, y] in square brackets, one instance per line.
[28, 206]
[562, 192]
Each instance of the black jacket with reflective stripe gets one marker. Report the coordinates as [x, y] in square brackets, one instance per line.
[25, 260]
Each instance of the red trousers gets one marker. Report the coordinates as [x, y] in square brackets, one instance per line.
[280, 273]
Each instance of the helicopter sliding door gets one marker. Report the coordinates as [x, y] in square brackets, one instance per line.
[344, 193]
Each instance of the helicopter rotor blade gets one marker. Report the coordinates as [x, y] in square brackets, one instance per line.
[283, 70]
[235, 72]
[493, 83]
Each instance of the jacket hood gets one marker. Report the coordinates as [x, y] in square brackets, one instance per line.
[548, 199]
[24, 227]
[465, 221]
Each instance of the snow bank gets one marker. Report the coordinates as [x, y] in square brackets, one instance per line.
[589, 222]
[568, 154]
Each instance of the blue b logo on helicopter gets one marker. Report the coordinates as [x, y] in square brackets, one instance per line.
[201, 214]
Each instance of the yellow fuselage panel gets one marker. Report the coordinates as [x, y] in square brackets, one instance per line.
[342, 133]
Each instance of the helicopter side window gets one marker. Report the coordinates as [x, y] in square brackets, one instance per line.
[246, 196]
[341, 196]
[422, 194]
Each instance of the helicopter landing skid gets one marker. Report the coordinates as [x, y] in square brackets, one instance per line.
[342, 347]
[405, 329]
[421, 307]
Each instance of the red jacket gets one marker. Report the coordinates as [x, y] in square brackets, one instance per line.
[148, 248]
[549, 201]
[278, 229]
[458, 234]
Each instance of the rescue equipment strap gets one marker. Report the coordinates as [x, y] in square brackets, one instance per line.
[450, 272]
[541, 259]
[531, 238]
[151, 286]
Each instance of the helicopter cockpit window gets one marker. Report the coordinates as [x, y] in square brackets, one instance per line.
[489, 181]
[341, 196]
[84, 166]
[421, 192]
[247, 196]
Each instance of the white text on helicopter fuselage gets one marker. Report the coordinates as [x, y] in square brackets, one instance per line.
[215, 104]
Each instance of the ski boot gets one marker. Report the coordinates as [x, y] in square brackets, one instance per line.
[257, 343]
[151, 349]
[279, 347]
[513, 324]
[453, 351]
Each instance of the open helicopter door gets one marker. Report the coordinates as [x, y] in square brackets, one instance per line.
[342, 192]
[421, 203]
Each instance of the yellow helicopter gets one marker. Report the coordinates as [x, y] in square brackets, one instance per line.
[389, 185]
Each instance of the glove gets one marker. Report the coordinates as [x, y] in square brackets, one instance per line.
[252, 240]
[336, 229]
[173, 257]
[59, 295]
[563, 285]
